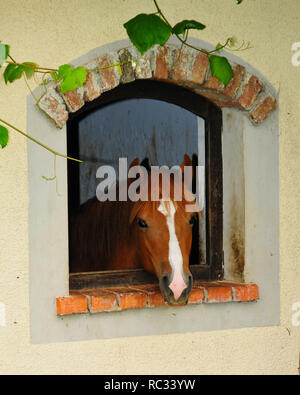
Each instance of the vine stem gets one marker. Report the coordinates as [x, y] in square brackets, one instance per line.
[10, 57]
[109, 66]
[183, 41]
[177, 35]
[37, 68]
[54, 177]
[46, 70]
[39, 143]
[28, 86]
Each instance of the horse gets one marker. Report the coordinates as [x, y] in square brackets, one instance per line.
[154, 235]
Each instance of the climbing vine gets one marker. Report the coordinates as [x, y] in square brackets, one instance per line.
[144, 31]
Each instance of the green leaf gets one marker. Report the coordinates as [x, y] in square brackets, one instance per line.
[71, 78]
[63, 71]
[232, 41]
[219, 47]
[4, 52]
[54, 76]
[3, 136]
[239, 1]
[29, 68]
[220, 68]
[181, 27]
[15, 71]
[146, 30]
[8, 70]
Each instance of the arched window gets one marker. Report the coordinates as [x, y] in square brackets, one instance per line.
[160, 122]
[235, 139]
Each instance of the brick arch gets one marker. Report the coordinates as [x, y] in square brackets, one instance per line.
[187, 67]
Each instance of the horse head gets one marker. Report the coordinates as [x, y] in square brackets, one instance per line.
[162, 232]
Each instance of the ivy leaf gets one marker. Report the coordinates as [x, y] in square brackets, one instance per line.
[182, 26]
[15, 71]
[3, 136]
[219, 47]
[72, 78]
[4, 52]
[12, 72]
[220, 68]
[54, 76]
[63, 71]
[146, 30]
[232, 41]
[29, 68]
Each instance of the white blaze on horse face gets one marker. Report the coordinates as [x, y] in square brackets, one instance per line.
[175, 255]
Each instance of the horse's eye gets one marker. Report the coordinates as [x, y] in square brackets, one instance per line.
[192, 219]
[142, 223]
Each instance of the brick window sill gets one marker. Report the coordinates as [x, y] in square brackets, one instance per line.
[148, 296]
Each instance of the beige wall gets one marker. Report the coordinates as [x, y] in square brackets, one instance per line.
[54, 32]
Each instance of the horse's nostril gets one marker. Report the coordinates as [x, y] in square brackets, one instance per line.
[165, 280]
[164, 285]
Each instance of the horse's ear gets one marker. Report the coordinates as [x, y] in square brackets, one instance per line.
[186, 162]
[135, 162]
[146, 164]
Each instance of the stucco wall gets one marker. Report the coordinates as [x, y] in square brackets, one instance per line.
[54, 32]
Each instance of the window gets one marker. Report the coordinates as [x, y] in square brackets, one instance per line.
[242, 184]
[201, 139]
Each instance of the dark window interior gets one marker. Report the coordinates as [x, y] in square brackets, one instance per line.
[119, 105]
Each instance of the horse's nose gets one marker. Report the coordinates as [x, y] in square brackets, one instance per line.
[172, 295]
[164, 287]
[186, 292]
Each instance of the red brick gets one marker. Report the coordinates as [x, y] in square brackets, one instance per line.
[156, 299]
[246, 292]
[110, 77]
[261, 112]
[54, 107]
[180, 66]
[218, 294]
[213, 83]
[74, 99]
[196, 296]
[91, 88]
[71, 305]
[199, 70]
[101, 301]
[233, 85]
[132, 300]
[143, 69]
[212, 96]
[250, 92]
[162, 66]
[141, 296]
[129, 298]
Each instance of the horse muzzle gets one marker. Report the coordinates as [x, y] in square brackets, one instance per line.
[168, 294]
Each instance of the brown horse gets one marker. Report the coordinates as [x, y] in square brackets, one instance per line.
[154, 235]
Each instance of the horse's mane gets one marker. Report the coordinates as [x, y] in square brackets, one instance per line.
[100, 229]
